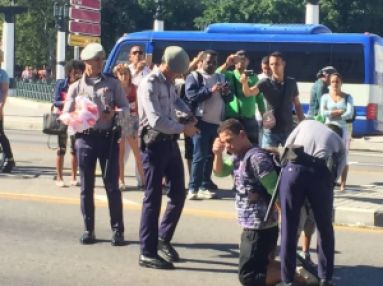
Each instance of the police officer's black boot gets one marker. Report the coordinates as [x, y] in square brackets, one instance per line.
[168, 252]
[88, 238]
[326, 283]
[155, 262]
[117, 238]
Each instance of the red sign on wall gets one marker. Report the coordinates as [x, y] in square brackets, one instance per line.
[85, 15]
[84, 28]
[87, 4]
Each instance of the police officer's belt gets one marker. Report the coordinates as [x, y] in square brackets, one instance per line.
[151, 136]
[296, 154]
[96, 132]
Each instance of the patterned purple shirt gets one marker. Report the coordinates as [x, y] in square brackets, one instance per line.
[250, 214]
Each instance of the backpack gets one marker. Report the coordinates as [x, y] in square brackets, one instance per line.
[182, 93]
[353, 118]
[245, 166]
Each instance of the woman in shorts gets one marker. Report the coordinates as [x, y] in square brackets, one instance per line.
[129, 126]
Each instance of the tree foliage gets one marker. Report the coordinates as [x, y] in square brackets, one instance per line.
[36, 34]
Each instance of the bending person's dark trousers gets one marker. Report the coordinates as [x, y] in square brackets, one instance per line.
[89, 148]
[299, 181]
[162, 159]
[4, 142]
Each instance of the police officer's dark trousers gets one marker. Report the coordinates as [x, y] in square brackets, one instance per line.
[299, 181]
[89, 148]
[162, 159]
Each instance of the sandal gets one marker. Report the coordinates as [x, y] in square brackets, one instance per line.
[75, 183]
[60, 184]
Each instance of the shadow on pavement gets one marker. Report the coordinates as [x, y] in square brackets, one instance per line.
[358, 275]
[229, 250]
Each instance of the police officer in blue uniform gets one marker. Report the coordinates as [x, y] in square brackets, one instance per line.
[96, 143]
[161, 157]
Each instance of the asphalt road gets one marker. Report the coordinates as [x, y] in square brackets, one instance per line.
[40, 226]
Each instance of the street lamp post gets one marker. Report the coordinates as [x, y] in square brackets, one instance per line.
[159, 16]
[61, 15]
[312, 11]
[8, 41]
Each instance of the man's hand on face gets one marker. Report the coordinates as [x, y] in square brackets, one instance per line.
[200, 56]
[230, 61]
[218, 147]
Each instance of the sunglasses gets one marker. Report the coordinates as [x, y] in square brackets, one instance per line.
[138, 53]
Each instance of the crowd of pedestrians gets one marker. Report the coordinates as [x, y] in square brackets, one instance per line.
[217, 108]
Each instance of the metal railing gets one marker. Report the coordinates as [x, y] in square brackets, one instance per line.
[36, 90]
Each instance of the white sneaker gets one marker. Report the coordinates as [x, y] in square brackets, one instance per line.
[206, 195]
[310, 279]
[192, 195]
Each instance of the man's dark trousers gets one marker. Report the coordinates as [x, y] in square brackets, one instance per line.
[4, 142]
[89, 148]
[299, 181]
[162, 159]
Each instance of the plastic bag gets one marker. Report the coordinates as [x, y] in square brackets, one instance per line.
[83, 117]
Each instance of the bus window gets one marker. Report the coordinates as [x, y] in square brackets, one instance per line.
[123, 55]
[304, 60]
[349, 61]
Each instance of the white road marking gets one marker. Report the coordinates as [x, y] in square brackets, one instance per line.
[104, 198]
[367, 154]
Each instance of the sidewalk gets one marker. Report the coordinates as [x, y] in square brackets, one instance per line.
[362, 207]
[24, 114]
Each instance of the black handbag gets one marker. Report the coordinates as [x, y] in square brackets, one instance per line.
[52, 125]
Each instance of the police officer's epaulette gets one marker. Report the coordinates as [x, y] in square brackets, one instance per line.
[152, 78]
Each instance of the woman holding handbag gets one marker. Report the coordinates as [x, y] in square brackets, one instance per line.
[73, 71]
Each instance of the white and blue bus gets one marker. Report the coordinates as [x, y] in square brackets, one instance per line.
[306, 48]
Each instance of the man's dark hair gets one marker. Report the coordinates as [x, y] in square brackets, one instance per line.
[337, 129]
[232, 125]
[209, 52]
[265, 60]
[277, 55]
[73, 65]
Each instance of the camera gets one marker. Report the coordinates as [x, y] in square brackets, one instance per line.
[248, 73]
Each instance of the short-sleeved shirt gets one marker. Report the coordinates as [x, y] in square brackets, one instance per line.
[247, 105]
[278, 97]
[251, 214]
[4, 78]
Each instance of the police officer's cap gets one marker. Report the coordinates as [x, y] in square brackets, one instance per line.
[176, 59]
[91, 51]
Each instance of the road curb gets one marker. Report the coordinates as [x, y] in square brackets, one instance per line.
[30, 103]
[358, 217]
[31, 125]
